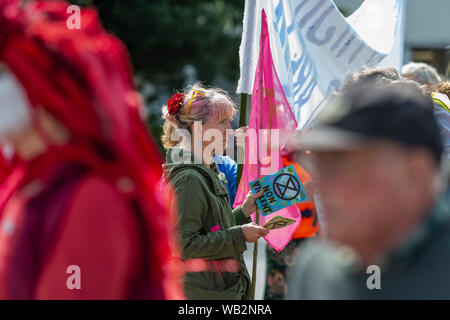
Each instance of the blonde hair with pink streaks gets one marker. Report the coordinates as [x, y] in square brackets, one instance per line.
[214, 103]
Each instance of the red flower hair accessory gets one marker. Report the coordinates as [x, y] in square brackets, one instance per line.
[175, 103]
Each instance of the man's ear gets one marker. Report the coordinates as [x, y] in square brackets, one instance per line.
[421, 166]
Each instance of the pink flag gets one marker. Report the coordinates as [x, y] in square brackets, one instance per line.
[270, 126]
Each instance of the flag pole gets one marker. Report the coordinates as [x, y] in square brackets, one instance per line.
[255, 261]
[240, 153]
[242, 122]
[243, 118]
[261, 97]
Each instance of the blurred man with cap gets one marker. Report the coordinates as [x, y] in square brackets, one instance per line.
[376, 155]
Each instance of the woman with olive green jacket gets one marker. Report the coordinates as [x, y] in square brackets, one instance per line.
[212, 236]
[211, 239]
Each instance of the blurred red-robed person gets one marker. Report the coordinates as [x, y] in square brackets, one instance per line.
[4, 167]
[80, 216]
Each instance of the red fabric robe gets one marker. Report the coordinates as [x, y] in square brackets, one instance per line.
[74, 218]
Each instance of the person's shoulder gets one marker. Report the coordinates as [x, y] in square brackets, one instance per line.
[224, 160]
[316, 255]
[438, 236]
[100, 205]
[321, 271]
[99, 229]
[188, 175]
[95, 182]
[94, 191]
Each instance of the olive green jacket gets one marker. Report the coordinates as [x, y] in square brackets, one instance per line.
[203, 206]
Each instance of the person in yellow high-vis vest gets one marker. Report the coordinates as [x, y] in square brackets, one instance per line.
[441, 109]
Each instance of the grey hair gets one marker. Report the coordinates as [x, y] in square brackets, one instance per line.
[422, 73]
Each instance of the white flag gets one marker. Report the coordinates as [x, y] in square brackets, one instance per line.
[314, 46]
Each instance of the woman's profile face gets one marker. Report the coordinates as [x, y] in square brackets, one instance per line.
[215, 133]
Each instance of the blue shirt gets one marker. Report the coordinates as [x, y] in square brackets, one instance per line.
[229, 167]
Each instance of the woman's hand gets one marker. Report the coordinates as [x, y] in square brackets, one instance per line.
[249, 204]
[252, 232]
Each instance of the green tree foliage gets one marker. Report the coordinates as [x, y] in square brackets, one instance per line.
[163, 36]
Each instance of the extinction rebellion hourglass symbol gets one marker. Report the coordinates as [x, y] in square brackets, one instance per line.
[286, 186]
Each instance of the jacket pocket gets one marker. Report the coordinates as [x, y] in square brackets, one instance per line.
[234, 292]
